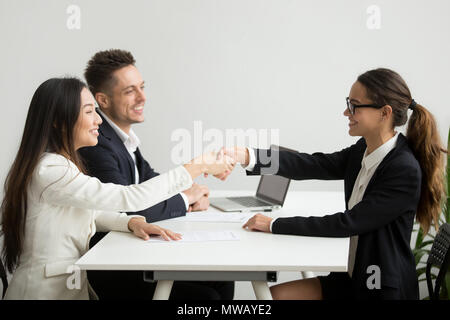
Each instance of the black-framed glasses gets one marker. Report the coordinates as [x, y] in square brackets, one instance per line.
[351, 107]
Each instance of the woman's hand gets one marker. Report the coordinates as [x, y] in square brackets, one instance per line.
[238, 154]
[143, 230]
[258, 222]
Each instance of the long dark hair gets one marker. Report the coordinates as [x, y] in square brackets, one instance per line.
[53, 112]
[386, 87]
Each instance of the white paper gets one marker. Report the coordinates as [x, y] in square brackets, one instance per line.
[200, 236]
[239, 217]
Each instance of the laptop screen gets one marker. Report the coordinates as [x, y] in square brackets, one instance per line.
[273, 188]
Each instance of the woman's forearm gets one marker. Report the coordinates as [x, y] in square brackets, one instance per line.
[195, 169]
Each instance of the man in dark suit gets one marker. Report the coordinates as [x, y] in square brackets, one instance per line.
[118, 88]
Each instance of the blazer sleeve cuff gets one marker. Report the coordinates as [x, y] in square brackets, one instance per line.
[183, 180]
[113, 221]
[126, 219]
[185, 199]
[262, 161]
[271, 224]
[251, 159]
[288, 225]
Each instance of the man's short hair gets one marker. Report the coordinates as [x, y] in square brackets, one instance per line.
[100, 69]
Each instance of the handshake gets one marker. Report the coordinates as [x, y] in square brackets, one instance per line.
[220, 165]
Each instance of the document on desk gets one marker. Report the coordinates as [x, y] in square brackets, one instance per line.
[239, 217]
[200, 236]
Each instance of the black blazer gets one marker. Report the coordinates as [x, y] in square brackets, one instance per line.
[383, 219]
[110, 161]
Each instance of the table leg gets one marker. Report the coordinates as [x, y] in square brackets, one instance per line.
[162, 290]
[262, 291]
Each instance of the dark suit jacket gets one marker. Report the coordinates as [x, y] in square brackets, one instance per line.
[110, 161]
[383, 219]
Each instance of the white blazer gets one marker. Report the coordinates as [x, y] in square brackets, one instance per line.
[65, 208]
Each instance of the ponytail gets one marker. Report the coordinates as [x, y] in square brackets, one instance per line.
[423, 138]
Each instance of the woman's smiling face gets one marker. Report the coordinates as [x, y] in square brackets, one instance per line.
[364, 121]
[86, 127]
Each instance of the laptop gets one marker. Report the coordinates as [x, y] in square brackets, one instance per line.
[270, 195]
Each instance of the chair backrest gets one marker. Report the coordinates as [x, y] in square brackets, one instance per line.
[440, 257]
[3, 277]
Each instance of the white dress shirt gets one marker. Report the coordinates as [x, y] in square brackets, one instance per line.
[132, 142]
[369, 164]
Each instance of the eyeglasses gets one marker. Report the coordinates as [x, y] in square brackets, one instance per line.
[351, 107]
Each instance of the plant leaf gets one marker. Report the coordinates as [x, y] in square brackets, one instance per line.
[419, 239]
[419, 253]
[426, 243]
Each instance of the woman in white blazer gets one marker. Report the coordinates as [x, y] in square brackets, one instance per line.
[51, 208]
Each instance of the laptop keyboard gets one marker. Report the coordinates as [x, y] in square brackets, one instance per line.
[249, 201]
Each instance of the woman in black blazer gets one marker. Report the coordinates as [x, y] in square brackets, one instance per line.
[389, 179]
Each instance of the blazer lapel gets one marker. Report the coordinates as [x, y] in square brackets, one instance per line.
[401, 142]
[354, 168]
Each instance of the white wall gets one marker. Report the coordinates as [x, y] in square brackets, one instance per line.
[262, 64]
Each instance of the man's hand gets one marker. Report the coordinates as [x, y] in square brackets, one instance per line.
[258, 222]
[200, 205]
[196, 192]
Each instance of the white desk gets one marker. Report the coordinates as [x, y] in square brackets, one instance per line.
[255, 257]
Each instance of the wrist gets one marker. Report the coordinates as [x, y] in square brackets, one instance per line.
[134, 222]
[195, 170]
[187, 197]
[246, 157]
[241, 154]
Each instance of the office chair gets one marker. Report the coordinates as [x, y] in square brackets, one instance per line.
[440, 257]
[4, 278]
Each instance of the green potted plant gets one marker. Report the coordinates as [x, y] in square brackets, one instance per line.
[423, 244]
